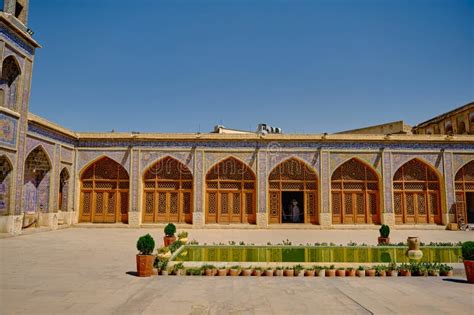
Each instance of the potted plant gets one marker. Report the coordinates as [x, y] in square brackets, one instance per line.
[361, 271]
[257, 271]
[235, 271]
[222, 271]
[197, 271]
[161, 266]
[209, 270]
[350, 272]
[433, 272]
[298, 270]
[279, 271]
[145, 260]
[392, 270]
[341, 272]
[178, 269]
[183, 237]
[331, 272]
[169, 237]
[268, 272]
[370, 272]
[320, 271]
[445, 270]
[380, 271]
[468, 257]
[247, 271]
[289, 272]
[384, 233]
[309, 272]
[405, 270]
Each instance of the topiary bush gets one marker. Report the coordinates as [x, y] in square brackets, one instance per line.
[468, 250]
[170, 229]
[146, 244]
[384, 231]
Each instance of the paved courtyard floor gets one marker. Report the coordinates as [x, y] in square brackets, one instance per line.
[88, 270]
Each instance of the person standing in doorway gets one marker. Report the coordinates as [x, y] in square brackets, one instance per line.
[295, 211]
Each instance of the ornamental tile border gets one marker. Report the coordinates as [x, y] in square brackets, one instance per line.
[7, 34]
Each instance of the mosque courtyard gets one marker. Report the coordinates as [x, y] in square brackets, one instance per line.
[92, 271]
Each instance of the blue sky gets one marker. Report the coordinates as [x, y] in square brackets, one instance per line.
[304, 66]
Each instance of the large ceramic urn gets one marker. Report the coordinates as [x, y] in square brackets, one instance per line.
[414, 252]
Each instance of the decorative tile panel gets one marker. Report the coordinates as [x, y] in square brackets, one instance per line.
[8, 130]
[86, 157]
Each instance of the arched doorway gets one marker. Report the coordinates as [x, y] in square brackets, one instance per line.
[293, 186]
[464, 186]
[9, 83]
[36, 182]
[355, 194]
[5, 184]
[230, 193]
[168, 192]
[63, 190]
[416, 194]
[104, 192]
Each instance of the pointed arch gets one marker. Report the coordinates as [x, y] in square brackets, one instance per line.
[167, 192]
[230, 192]
[97, 159]
[293, 180]
[416, 193]
[355, 193]
[9, 82]
[6, 177]
[104, 192]
[63, 193]
[36, 181]
[464, 189]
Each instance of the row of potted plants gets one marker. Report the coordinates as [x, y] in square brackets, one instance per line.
[406, 270]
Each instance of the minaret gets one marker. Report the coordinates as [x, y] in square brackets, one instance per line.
[17, 50]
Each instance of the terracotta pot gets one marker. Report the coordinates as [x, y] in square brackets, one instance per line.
[210, 272]
[382, 273]
[340, 273]
[330, 272]
[289, 273]
[413, 243]
[145, 265]
[309, 273]
[405, 273]
[257, 273]
[370, 272]
[247, 272]
[469, 267]
[164, 272]
[168, 240]
[392, 273]
[351, 273]
[234, 272]
[361, 273]
[384, 240]
[321, 273]
[222, 272]
[446, 274]
[180, 272]
[268, 273]
[278, 273]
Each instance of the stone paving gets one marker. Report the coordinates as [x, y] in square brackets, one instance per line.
[78, 270]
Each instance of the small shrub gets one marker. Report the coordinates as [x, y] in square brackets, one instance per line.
[468, 250]
[175, 246]
[146, 244]
[170, 229]
[183, 234]
[384, 231]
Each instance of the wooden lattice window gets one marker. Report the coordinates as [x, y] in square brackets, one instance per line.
[355, 194]
[293, 175]
[104, 192]
[168, 189]
[416, 192]
[464, 187]
[230, 193]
